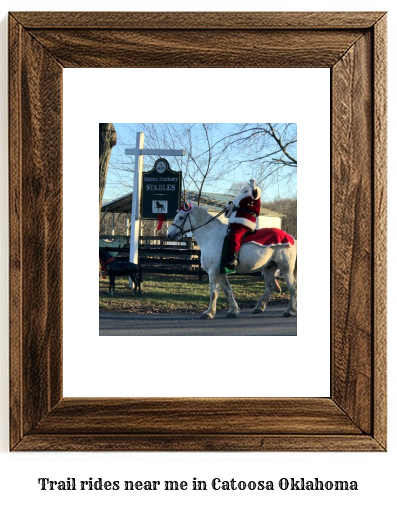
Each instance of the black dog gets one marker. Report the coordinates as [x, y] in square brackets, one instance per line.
[115, 268]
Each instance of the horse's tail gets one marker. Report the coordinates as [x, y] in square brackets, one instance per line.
[140, 273]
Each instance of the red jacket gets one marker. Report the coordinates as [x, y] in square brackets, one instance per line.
[248, 208]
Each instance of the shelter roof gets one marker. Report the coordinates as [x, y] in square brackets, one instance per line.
[214, 201]
[121, 205]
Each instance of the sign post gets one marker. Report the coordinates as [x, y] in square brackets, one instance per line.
[139, 152]
[134, 239]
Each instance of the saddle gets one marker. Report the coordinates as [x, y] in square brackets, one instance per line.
[269, 237]
[262, 237]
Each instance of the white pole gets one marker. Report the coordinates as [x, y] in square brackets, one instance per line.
[138, 151]
[136, 198]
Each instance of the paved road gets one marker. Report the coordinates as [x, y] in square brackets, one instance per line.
[269, 323]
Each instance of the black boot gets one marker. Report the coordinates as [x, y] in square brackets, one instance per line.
[232, 261]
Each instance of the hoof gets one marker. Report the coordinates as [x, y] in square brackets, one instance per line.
[230, 315]
[258, 310]
[287, 314]
[206, 316]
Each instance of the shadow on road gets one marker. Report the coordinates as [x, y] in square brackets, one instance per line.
[270, 323]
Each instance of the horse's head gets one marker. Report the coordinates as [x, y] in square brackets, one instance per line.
[182, 222]
[103, 254]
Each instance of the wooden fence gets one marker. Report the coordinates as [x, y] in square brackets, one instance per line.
[159, 255]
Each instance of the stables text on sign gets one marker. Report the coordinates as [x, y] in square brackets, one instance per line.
[161, 191]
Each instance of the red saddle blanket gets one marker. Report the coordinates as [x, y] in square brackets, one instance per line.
[269, 237]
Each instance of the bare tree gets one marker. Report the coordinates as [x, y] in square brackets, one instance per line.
[107, 139]
[236, 186]
[203, 162]
[205, 156]
[268, 150]
[217, 154]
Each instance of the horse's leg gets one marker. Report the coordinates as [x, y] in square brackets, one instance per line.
[270, 281]
[131, 279]
[292, 287]
[214, 289]
[112, 283]
[234, 309]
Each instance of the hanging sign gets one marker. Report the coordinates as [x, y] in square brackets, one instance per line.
[161, 192]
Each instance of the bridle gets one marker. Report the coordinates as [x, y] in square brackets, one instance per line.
[191, 229]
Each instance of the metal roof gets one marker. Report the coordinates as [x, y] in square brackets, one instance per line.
[121, 205]
[211, 200]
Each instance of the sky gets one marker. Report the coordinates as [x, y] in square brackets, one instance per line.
[120, 177]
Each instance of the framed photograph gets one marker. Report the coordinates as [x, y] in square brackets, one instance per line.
[353, 47]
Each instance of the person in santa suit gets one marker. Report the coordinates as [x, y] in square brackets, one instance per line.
[242, 213]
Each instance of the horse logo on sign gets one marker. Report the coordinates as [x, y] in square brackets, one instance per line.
[159, 206]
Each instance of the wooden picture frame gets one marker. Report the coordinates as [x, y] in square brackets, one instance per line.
[353, 46]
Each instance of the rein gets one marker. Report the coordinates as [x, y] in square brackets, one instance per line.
[104, 264]
[180, 227]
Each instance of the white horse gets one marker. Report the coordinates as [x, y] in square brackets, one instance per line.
[209, 233]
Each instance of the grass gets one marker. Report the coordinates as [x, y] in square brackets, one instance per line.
[181, 294]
